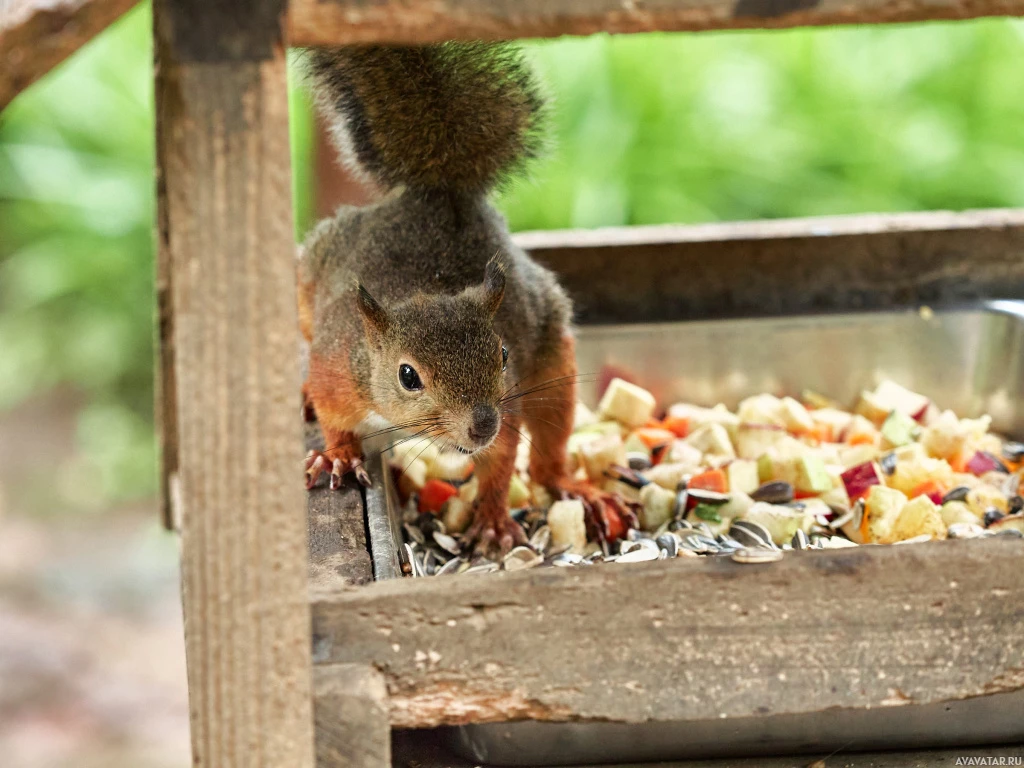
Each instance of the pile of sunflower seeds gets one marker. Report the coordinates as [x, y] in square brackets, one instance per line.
[430, 551]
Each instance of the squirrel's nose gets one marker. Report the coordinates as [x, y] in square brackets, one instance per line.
[483, 424]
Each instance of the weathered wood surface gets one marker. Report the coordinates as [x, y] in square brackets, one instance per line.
[842, 263]
[686, 640]
[352, 725]
[226, 220]
[338, 551]
[37, 35]
[324, 22]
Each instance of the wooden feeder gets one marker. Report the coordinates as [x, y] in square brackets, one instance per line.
[295, 656]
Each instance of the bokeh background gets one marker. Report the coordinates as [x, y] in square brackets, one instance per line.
[645, 130]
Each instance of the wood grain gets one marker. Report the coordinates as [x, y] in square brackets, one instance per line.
[37, 35]
[688, 640]
[226, 221]
[794, 266]
[325, 22]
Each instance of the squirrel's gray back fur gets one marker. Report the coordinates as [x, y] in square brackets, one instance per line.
[438, 126]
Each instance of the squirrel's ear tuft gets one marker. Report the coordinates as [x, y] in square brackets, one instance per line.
[494, 286]
[375, 317]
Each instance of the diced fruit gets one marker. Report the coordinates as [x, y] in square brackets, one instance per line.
[780, 522]
[898, 429]
[467, 491]
[743, 476]
[450, 466]
[812, 477]
[853, 455]
[422, 448]
[882, 507]
[1010, 522]
[600, 454]
[434, 494]
[652, 437]
[625, 490]
[836, 496]
[583, 416]
[541, 496]
[677, 425]
[711, 480]
[861, 478]
[910, 474]
[930, 489]
[919, 517]
[412, 476]
[626, 403]
[894, 397]
[681, 452]
[761, 409]
[948, 437]
[635, 445]
[668, 475]
[953, 512]
[736, 506]
[833, 418]
[794, 416]
[985, 497]
[698, 416]
[565, 519]
[817, 401]
[658, 504]
[518, 493]
[601, 428]
[861, 431]
[982, 462]
[712, 439]
[456, 515]
[756, 440]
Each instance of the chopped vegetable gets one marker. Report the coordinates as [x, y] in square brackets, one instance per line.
[651, 436]
[712, 480]
[626, 403]
[434, 494]
[677, 425]
[858, 480]
[707, 512]
[983, 461]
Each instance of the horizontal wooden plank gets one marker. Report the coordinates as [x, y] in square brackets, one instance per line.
[325, 22]
[37, 35]
[794, 266]
[684, 640]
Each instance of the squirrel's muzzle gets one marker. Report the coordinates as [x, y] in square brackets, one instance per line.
[483, 425]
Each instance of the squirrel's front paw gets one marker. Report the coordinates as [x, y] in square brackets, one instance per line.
[492, 529]
[340, 463]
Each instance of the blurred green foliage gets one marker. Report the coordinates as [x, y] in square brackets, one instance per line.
[646, 129]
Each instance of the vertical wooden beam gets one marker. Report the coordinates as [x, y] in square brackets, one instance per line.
[228, 251]
[353, 726]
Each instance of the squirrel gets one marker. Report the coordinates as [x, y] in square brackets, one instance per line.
[421, 313]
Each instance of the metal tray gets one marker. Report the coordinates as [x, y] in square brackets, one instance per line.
[970, 360]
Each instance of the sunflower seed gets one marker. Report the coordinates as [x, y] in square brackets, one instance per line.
[751, 534]
[520, 558]
[800, 540]
[957, 494]
[483, 567]
[888, 463]
[965, 531]
[758, 555]
[452, 566]
[447, 543]
[916, 539]
[638, 461]
[566, 559]
[707, 497]
[1013, 451]
[415, 534]
[773, 493]
[669, 542]
[541, 538]
[639, 555]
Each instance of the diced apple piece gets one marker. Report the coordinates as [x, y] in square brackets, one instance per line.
[682, 452]
[712, 439]
[953, 512]
[982, 462]
[756, 440]
[780, 522]
[657, 504]
[625, 490]
[882, 507]
[541, 497]
[898, 429]
[518, 493]
[794, 416]
[861, 478]
[812, 477]
[413, 477]
[761, 409]
[467, 491]
[565, 519]
[854, 455]
[627, 403]
[583, 416]
[422, 448]
[456, 515]
[871, 408]
[449, 466]
[837, 495]
[911, 474]
[600, 454]
[919, 517]
[635, 445]
[898, 398]
[863, 429]
[948, 437]
[743, 476]
[669, 474]
[738, 505]
[833, 418]
[698, 416]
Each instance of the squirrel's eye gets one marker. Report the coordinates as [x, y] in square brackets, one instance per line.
[504, 358]
[409, 378]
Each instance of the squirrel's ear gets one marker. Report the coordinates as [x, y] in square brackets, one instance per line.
[375, 317]
[494, 286]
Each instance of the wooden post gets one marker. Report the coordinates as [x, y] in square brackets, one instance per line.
[227, 270]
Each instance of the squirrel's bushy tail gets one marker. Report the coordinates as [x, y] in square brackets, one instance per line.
[453, 116]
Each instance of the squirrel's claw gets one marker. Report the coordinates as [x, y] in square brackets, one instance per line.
[317, 463]
[491, 532]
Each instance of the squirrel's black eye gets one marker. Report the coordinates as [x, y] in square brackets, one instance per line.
[409, 378]
[504, 358]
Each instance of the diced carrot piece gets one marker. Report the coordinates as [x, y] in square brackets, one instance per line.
[652, 437]
[929, 488]
[959, 463]
[677, 425]
[434, 494]
[711, 480]
[821, 433]
[861, 438]
[615, 526]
